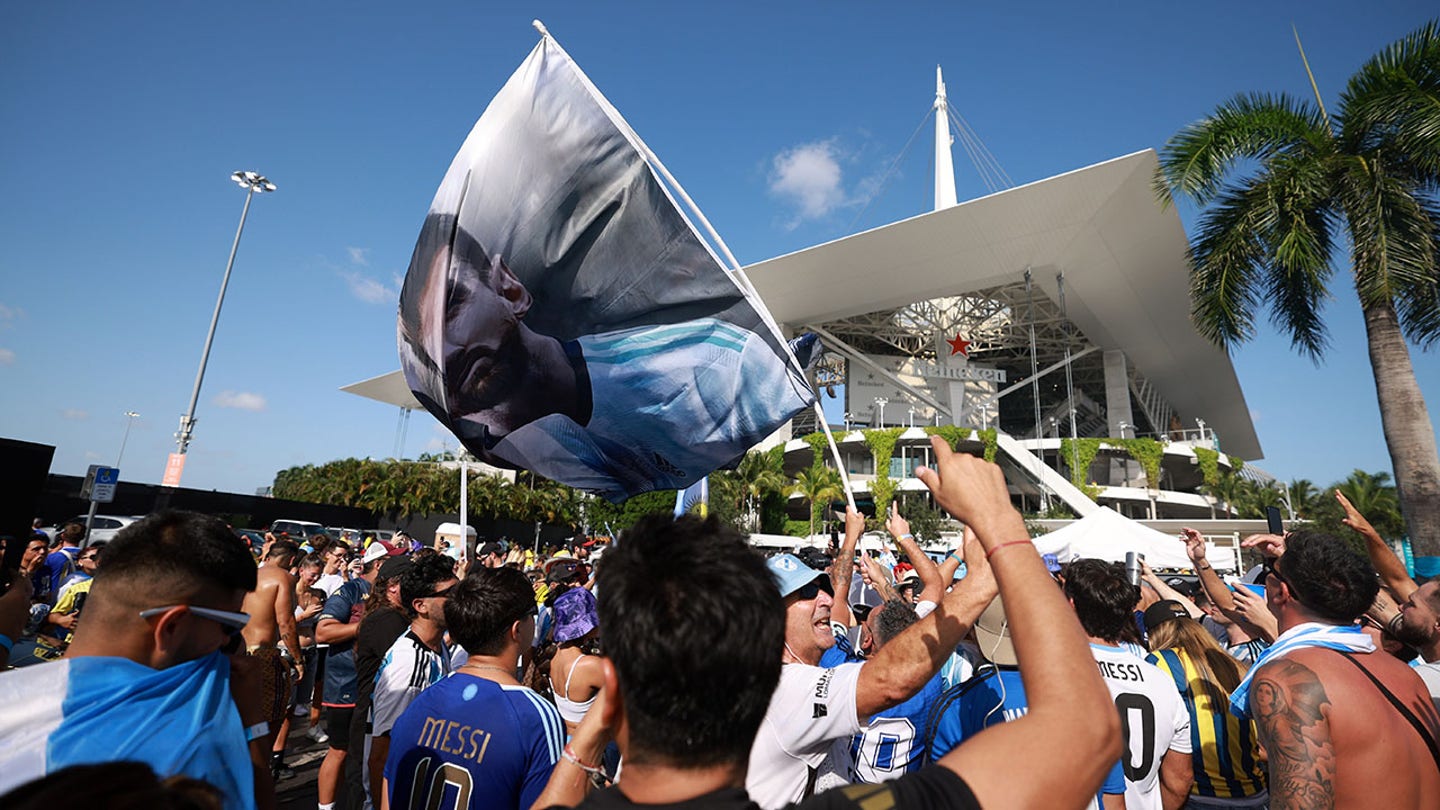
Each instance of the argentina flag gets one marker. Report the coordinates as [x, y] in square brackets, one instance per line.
[74, 711]
[562, 315]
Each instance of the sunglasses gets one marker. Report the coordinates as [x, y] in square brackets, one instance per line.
[812, 589]
[231, 621]
[1268, 567]
[443, 594]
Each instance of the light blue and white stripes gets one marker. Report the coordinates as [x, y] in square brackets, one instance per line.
[1309, 634]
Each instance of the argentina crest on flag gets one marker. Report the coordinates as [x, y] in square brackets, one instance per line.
[561, 314]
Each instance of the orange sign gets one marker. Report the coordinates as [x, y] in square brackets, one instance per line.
[174, 466]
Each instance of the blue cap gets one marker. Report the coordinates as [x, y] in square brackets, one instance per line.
[1052, 563]
[791, 574]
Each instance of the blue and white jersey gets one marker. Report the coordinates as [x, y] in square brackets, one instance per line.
[472, 744]
[409, 668]
[669, 404]
[998, 697]
[890, 744]
[78, 711]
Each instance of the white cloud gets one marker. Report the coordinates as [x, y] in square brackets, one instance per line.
[91, 455]
[359, 255]
[74, 414]
[241, 400]
[7, 357]
[8, 315]
[809, 178]
[371, 291]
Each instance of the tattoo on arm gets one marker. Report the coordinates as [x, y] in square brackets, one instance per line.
[1292, 714]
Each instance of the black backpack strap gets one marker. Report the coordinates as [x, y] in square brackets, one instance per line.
[1400, 707]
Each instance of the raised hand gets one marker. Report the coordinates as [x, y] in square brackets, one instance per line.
[895, 524]
[1269, 545]
[971, 489]
[1194, 544]
[1353, 518]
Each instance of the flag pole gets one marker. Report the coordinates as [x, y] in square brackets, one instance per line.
[734, 268]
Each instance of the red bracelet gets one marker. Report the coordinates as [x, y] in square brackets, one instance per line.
[999, 546]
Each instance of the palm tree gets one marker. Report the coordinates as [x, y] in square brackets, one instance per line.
[817, 485]
[1373, 496]
[1285, 187]
[1229, 490]
[758, 475]
[1303, 497]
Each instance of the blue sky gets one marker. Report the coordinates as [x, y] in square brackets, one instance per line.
[123, 122]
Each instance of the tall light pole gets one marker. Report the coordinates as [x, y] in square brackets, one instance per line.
[129, 420]
[252, 183]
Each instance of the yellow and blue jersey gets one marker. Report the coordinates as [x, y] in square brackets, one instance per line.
[1223, 746]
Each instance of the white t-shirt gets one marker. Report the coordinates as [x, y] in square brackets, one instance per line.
[1430, 674]
[1153, 717]
[329, 583]
[810, 708]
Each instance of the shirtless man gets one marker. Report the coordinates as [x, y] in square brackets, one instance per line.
[1333, 738]
[272, 620]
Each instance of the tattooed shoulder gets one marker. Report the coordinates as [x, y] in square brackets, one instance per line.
[1291, 713]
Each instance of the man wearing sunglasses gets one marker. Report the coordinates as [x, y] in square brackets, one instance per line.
[416, 660]
[815, 706]
[145, 678]
[1342, 725]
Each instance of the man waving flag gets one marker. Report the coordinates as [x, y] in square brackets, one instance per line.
[562, 315]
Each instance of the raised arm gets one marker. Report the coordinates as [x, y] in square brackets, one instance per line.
[913, 656]
[1390, 567]
[1071, 717]
[932, 585]
[1163, 589]
[843, 568]
[1214, 587]
[877, 578]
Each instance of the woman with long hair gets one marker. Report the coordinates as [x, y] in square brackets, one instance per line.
[1225, 755]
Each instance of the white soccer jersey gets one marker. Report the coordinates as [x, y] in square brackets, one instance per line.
[1153, 717]
[408, 669]
[810, 708]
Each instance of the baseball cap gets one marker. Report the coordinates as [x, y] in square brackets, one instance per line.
[395, 567]
[908, 579]
[992, 633]
[791, 574]
[575, 615]
[1162, 612]
[1052, 563]
[374, 552]
[492, 547]
[560, 569]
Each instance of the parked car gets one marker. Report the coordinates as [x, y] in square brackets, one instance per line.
[102, 528]
[299, 530]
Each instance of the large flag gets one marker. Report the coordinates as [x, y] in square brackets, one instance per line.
[561, 314]
[77, 711]
[696, 495]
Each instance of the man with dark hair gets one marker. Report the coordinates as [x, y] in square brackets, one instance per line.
[385, 621]
[690, 671]
[337, 626]
[148, 654]
[1373, 744]
[479, 730]
[272, 623]
[417, 659]
[1418, 625]
[1156, 761]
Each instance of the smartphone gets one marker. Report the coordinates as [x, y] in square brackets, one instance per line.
[1258, 590]
[1272, 517]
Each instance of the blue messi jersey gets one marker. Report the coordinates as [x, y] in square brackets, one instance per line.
[890, 745]
[998, 697]
[471, 744]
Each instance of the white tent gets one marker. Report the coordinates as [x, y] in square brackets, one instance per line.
[1108, 535]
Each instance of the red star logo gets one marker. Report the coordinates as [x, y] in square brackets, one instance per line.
[958, 345]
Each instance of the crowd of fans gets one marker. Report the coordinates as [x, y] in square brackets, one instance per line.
[679, 667]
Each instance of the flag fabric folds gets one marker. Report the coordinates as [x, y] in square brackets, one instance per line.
[562, 315]
[74, 711]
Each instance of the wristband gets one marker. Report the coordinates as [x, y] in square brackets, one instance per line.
[1200, 567]
[907, 536]
[570, 757]
[956, 557]
[999, 546]
[255, 732]
[6, 642]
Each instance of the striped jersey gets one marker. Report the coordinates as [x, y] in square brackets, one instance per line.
[471, 744]
[1223, 746]
[408, 669]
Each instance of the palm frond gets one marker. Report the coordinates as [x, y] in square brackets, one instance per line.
[1225, 266]
[1198, 160]
[1417, 302]
[1394, 101]
[1300, 246]
[1392, 230]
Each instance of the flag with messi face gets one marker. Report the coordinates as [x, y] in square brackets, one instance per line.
[561, 315]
